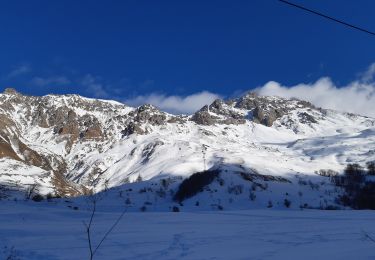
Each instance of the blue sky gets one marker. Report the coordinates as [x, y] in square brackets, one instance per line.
[133, 49]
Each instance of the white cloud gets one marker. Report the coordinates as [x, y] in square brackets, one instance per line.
[19, 70]
[357, 97]
[368, 75]
[94, 87]
[56, 80]
[175, 104]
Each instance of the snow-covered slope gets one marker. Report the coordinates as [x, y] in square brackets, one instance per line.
[69, 145]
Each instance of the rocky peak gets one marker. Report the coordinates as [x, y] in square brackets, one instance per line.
[218, 113]
[148, 114]
[204, 117]
[259, 109]
[10, 91]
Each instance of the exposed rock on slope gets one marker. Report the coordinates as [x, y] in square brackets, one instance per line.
[73, 145]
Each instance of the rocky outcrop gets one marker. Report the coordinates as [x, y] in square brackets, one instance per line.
[90, 128]
[10, 91]
[57, 113]
[148, 114]
[266, 116]
[132, 128]
[259, 109]
[149, 150]
[144, 115]
[306, 118]
[217, 113]
[6, 150]
[266, 110]
[220, 107]
[262, 110]
[203, 117]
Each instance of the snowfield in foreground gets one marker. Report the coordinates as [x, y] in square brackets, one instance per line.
[55, 231]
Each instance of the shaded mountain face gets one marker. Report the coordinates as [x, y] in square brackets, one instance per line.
[69, 145]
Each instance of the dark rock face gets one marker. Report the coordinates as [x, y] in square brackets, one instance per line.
[233, 121]
[266, 117]
[227, 113]
[92, 129]
[148, 114]
[306, 118]
[132, 128]
[176, 119]
[12, 147]
[40, 117]
[65, 122]
[10, 91]
[206, 115]
[217, 105]
[6, 151]
[304, 103]
[248, 102]
[149, 150]
[260, 109]
[203, 117]
[223, 108]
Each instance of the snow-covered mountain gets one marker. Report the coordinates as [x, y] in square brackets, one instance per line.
[265, 149]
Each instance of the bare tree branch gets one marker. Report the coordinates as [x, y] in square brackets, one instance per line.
[110, 230]
[89, 229]
[367, 236]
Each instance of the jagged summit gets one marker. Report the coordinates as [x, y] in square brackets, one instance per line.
[10, 91]
[260, 109]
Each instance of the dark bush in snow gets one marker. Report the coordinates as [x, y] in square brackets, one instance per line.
[221, 181]
[194, 184]
[331, 207]
[49, 196]
[161, 193]
[327, 173]
[175, 209]
[10, 253]
[365, 197]
[359, 192]
[252, 195]
[37, 198]
[143, 190]
[370, 168]
[235, 189]
[287, 203]
[354, 174]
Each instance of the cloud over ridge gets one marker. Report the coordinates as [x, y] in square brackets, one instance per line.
[357, 97]
[175, 104]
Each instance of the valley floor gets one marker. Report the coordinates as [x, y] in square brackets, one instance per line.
[55, 231]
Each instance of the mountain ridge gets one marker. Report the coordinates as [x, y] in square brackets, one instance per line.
[70, 145]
